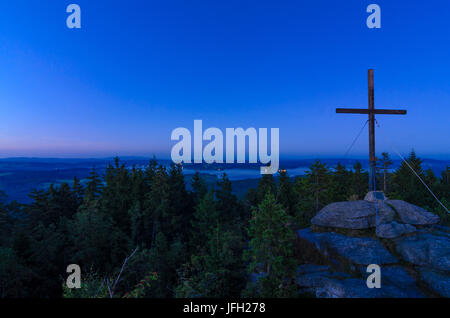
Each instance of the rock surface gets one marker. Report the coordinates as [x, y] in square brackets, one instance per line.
[398, 277]
[420, 267]
[392, 218]
[356, 215]
[412, 214]
[425, 249]
[412, 250]
[324, 283]
[394, 229]
[355, 250]
[436, 281]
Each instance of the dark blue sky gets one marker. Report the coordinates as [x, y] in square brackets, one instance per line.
[138, 69]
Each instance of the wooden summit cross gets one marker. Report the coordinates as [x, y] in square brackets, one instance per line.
[371, 111]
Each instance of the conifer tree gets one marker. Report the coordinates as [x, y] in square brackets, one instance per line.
[385, 163]
[318, 183]
[94, 186]
[180, 205]
[271, 251]
[205, 218]
[266, 184]
[227, 203]
[117, 195]
[156, 206]
[78, 191]
[215, 270]
[150, 171]
[406, 186]
[199, 188]
[285, 194]
[6, 221]
[359, 181]
[340, 184]
[164, 260]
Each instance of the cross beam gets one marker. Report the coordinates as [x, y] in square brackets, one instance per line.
[367, 111]
[371, 111]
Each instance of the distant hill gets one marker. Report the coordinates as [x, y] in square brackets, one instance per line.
[19, 176]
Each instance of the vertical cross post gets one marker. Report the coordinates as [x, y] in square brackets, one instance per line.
[372, 161]
[371, 111]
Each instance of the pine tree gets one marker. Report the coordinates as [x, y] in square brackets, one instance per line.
[139, 187]
[137, 226]
[266, 184]
[405, 184]
[285, 194]
[227, 203]
[445, 176]
[160, 263]
[305, 202]
[6, 221]
[216, 270]
[96, 242]
[205, 218]
[94, 186]
[340, 184]
[271, 251]
[150, 171]
[199, 188]
[116, 198]
[156, 206]
[318, 182]
[441, 188]
[12, 274]
[63, 202]
[180, 205]
[385, 162]
[37, 210]
[78, 191]
[360, 181]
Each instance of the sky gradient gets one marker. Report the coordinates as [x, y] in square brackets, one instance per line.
[139, 69]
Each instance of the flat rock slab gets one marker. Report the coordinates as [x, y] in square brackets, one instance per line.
[356, 215]
[437, 282]
[326, 284]
[362, 214]
[425, 249]
[398, 277]
[393, 229]
[356, 250]
[412, 214]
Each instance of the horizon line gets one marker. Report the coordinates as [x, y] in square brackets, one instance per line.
[138, 157]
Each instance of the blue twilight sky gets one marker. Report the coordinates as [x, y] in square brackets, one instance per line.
[138, 69]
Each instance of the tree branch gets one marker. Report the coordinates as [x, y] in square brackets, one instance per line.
[111, 289]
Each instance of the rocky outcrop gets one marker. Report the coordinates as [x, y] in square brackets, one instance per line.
[413, 252]
[412, 214]
[437, 282]
[415, 265]
[324, 283]
[355, 215]
[353, 250]
[394, 229]
[425, 249]
[391, 218]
